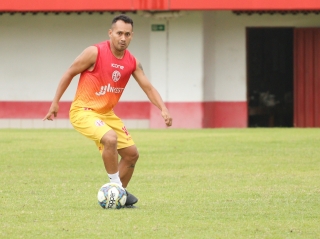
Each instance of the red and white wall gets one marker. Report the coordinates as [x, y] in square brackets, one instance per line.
[198, 64]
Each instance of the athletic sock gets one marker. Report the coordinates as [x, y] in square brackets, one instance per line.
[114, 178]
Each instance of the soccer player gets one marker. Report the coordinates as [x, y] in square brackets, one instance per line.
[105, 69]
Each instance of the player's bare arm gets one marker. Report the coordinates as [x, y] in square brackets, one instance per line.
[85, 61]
[152, 93]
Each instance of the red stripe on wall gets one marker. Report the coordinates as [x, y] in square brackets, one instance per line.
[184, 114]
[203, 115]
[225, 114]
[30, 109]
[38, 110]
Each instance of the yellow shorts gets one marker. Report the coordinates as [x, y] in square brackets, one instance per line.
[94, 125]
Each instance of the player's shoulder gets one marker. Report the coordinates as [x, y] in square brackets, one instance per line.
[91, 51]
[102, 43]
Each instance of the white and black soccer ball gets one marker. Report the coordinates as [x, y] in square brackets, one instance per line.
[112, 195]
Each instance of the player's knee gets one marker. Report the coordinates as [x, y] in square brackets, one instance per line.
[132, 157]
[109, 139]
[135, 156]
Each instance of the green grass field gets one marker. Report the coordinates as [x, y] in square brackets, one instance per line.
[211, 183]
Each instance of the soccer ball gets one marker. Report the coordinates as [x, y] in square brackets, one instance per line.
[112, 195]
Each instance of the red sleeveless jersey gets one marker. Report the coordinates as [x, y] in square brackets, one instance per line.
[101, 89]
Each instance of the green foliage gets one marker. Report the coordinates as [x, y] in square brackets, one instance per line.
[210, 183]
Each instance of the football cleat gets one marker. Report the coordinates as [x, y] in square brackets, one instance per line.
[131, 199]
[130, 206]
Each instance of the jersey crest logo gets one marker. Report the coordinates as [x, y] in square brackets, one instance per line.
[99, 123]
[116, 76]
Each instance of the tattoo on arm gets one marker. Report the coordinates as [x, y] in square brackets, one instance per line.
[140, 66]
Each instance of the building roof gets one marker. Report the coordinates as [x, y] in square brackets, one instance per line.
[154, 5]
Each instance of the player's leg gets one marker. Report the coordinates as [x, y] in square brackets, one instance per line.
[91, 125]
[109, 155]
[126, 147]
[127, 151]
[129, 157]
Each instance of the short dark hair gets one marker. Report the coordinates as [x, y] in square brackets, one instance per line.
[123, 18]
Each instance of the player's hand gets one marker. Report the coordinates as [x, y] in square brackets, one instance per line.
[54, 108]
[167, 117]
